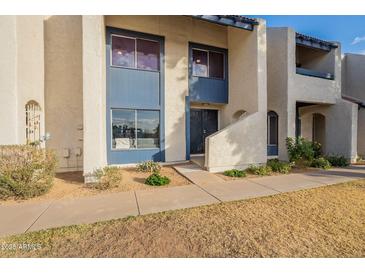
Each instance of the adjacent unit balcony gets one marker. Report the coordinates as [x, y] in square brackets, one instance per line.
[314, 57]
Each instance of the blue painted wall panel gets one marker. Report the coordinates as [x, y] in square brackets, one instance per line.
[205, 89]
[272, 150]
[208, 90]
[133, 88]
[133, 156]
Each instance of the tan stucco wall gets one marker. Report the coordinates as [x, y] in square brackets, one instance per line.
[22, 70]
[8, 83]
[353, 85]
[94, 93]
[361, 132]
[354, 81]
[243, 142]
[63, 89]
[277, 81]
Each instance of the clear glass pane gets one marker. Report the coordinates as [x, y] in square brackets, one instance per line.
[148, 54]
[273, 130]
[123, 132]
[123, 52]
[200, 63]
[148, 129]
[216, 65]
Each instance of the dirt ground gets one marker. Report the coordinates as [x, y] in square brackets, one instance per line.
[322, 222]
[71, 184]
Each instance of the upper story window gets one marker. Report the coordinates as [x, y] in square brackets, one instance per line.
[208, 63]
[129, 52]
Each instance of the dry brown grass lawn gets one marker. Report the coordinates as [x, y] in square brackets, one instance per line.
[322, 222]
[71, 184]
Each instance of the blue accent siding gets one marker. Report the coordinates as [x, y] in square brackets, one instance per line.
[208, 90]
[187, 127]
[134, 89]
[272, 150]
[134, 156]
[205, 89]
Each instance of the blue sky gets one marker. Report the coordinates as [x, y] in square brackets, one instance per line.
[349, 30]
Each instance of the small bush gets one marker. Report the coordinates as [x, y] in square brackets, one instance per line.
[321, 163]
[337, 161]
[259, 170]
[301, 150]
[155, 179]
[107, 177]
[278, 166]
[25, 171]
[235, 173]
[149, 166]
[317, 149]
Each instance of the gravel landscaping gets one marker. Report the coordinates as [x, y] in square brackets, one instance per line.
[71, 185]
[323, 222]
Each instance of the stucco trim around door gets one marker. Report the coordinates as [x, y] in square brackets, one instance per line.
[120, 95]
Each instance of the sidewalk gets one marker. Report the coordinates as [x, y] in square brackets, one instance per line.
[206, 188]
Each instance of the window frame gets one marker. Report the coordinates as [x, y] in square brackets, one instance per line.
[135, 52]
[208, 62]
[136, 133]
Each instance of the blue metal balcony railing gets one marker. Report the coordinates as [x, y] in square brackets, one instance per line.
[313, 73]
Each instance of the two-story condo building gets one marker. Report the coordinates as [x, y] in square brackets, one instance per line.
[123, 89]
[304, 94]
[118, 90]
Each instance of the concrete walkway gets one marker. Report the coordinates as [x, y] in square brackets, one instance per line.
[206, 188]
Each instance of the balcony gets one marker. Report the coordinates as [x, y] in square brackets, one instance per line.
[314, 62]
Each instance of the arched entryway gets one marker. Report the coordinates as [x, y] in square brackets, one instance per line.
[272, 133]
[32, 122]
[319, 130]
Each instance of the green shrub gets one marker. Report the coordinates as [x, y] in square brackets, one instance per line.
[302, 151]
[317, 149]
[25, 171]
[321, 163]
[107, 177]
[155, 179]
[259, 170]
[278, 166]
[235, 173]
[337, 161]
[149, 166]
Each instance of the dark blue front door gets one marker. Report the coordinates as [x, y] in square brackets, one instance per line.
[203, 122]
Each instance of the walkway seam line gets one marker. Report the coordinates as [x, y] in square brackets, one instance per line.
[40, 215]
[206, 191]
[250, 180]
[135, 196]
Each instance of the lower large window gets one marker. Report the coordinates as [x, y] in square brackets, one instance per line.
[135, 129]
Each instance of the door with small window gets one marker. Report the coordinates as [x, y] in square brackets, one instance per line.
[135, 97]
